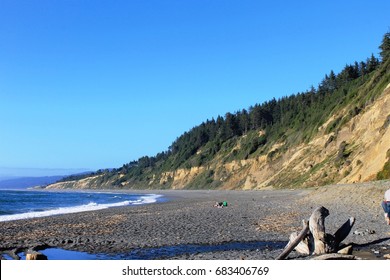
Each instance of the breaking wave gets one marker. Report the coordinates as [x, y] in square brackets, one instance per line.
[92, 206]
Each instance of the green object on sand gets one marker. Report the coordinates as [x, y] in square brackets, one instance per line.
[224, 204]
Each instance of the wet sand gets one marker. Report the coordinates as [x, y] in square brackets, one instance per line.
[189, 218]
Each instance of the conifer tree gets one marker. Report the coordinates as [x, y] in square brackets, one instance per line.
[385, 47]
[372, 63]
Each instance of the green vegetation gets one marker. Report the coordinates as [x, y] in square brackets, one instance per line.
[251, 132]
[385, 47]
[385, 173]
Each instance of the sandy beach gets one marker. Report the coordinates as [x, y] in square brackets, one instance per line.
[189, 218]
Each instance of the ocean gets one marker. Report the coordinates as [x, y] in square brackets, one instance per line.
[26, 204]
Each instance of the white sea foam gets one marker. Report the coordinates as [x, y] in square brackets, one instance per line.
[92, 206]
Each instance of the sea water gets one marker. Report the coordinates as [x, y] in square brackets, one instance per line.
[160, 252]
[26, 204]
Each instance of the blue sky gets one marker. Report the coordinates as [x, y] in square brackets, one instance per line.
[96, 84]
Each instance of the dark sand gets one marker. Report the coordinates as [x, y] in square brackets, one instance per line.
[190, 218]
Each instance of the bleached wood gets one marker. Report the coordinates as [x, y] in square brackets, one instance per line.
[335, 256]
[295, 240]
[317, 229]
[315, 240]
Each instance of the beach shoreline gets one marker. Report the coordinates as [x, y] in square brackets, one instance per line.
[189, 218]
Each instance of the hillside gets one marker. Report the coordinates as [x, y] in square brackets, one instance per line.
[336, 133]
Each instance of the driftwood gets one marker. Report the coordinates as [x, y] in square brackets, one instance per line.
[335, 256]
[315, 240]
[298, 238]
[317, 230]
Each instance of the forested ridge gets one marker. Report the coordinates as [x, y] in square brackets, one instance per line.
[251, 132]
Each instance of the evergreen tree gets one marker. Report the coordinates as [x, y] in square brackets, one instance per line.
[244, 121]
[385, 47]
[362, 68]
[332, 81]
[372, 63]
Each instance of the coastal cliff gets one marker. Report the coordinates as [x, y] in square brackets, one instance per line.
[355, 153]
[337, 133]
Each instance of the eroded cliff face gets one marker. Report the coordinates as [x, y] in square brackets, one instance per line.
[180, 177]
[354, 153]
[87, 183]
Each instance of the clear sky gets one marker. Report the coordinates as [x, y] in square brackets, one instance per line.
[96, 84]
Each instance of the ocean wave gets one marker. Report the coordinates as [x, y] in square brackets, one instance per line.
[92, 206]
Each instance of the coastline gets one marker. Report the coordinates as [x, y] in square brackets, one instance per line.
[189, 218]
[19, 205]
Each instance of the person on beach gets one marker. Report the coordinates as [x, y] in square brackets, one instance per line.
[386, 206]
[220, 204]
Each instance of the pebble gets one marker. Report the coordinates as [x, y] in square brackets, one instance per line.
[365, 232]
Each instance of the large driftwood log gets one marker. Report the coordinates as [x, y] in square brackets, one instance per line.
[316, 241]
